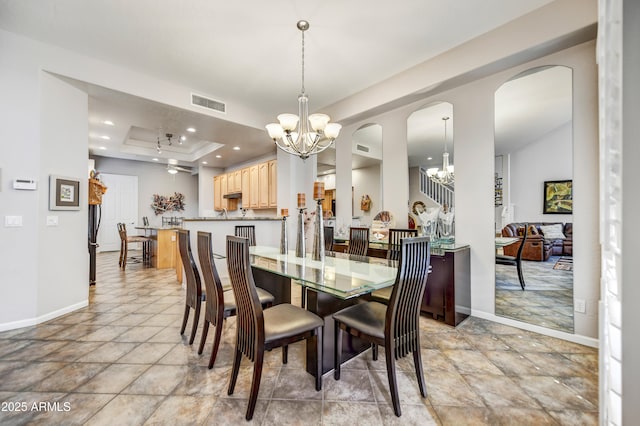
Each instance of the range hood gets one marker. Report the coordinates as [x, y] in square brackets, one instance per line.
[233, 195]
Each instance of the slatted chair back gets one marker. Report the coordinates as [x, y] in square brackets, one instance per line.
[123, 245]
[246, 231]
[122, 231]
[395, 238]
[194, 285]
[517, 260]
[212, 284]
[524, 240]
[250, 321]
[403, 311]
[359, 241]
[328, 238]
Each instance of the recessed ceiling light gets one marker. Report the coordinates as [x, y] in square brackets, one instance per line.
[103, 148]
[105, 137]
[183, 138]
[155, 159]
[191, 130]
[204, 162]
[236, 148]
[108, 123]
[218, 156]
[429, 158]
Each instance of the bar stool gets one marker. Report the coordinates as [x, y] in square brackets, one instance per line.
[125, 240]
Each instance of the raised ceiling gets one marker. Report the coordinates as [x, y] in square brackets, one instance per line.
[245, 53]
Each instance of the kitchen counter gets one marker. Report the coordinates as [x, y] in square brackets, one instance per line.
[267, 234]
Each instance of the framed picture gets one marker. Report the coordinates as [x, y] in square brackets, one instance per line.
[64, 193]
[558, 197]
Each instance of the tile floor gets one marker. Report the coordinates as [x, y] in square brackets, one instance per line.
[548, 297]
[121, 361]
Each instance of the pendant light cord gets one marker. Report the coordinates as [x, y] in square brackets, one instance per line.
[302, 61]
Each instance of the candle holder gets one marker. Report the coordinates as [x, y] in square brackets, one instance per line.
[300, 243]
[284, 241]
[318, 231]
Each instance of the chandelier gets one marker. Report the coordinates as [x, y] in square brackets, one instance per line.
[444, 176]
[303, 134]
[168, 138]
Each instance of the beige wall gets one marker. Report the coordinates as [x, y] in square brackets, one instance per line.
[474, 161]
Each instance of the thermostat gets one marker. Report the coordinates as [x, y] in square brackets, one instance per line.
[28, 184]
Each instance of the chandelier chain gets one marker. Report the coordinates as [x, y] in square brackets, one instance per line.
[303, 134]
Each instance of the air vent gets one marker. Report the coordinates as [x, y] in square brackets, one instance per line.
[362, 148]
[208, 103]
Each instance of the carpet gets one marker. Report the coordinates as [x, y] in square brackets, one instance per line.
[564, 264]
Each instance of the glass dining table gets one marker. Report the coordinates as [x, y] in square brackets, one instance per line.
[338, 281]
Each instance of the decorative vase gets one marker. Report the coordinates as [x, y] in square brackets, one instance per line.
[300, 241]
[318, 231]
[284, 243]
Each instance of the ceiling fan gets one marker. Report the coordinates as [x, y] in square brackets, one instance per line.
[173, 169]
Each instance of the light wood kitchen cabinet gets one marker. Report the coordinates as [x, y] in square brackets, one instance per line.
[220, 189]
[254, 187]
[230, 183]
[223, 187]
[238, 180]
[258, 185]
[217, 194]
[327, 203]
[273, 183]
[234, 182]
[263, 183]
[245, 187]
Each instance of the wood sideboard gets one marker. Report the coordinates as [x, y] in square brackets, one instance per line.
[448, 293]
[447, 296]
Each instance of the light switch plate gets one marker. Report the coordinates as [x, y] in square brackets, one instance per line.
[580, 306]
[12, 221]
[52, 220]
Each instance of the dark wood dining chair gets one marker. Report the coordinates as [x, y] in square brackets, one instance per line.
[394, 326]
[258, 330]
[516, 260]
[246, 231]
[125, 240]
[194, 293]
[358, 241]
[328, 238]
[219, 304]
[395, 238]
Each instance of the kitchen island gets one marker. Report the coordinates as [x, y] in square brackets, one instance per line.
[267, 233]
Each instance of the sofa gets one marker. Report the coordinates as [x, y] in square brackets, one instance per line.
[538, 247]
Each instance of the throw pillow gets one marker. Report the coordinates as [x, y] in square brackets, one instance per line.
[552, 232]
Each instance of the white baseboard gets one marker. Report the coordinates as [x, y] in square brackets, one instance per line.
[46, 317]
[575, 338]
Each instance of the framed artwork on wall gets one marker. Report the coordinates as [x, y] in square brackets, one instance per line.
[558, 197]
[64, 193]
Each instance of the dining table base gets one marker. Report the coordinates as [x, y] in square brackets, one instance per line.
[325, 305]
[322, 304]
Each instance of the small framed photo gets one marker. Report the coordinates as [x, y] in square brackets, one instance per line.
[64, 193]
[558, 197]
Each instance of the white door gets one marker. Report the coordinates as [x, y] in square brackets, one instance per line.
[119, 204]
